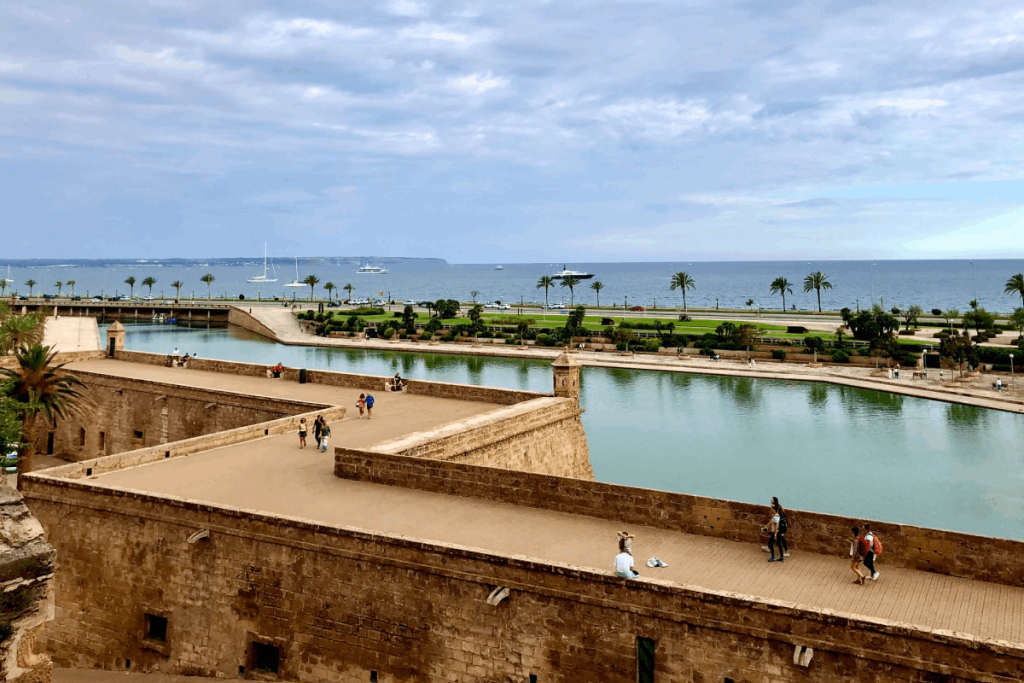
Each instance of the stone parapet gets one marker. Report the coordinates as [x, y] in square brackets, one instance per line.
[944, 552]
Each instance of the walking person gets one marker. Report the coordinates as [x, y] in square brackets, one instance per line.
[302, 433]
[780, 534]
[624, 566]
[325, 435]
[318, 427]
[772, 529]
[369, 406]
[858, 549]
[874, 547]
[361, 404]
[626, 542]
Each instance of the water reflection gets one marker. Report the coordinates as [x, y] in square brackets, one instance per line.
[865, 454]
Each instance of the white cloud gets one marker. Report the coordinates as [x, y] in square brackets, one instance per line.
[449, 37]
[165, 59]
[407, 8]
[911, 104]
[478, 83]
[11, 66]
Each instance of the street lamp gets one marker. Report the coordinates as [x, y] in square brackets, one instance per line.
[1011, 370]
[871, 274]
[974, 278]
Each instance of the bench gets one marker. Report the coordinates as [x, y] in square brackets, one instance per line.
[919, 374]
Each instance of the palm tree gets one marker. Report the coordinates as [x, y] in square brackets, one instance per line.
[208, 279]
[817, 281]
[312, 281]
[683, 281]
[750, 302]
[330, 287]
[59, 285]
[71, 284]
[597, 286]
[30, 284]
[348, 288]
[3, 286]
[149, 282]
[20, 330]
[571, 281]
[545, 281]
[43, 390]
[781, 285]
[130, 281]
[1015, 285]
[177, 284]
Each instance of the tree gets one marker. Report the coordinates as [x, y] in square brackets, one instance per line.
[979, 319]
[149, 282]
[446, 308]
[781, 285]
[312, 281]
[949, 315]
[43, 390]
[597, 286]
[911, 315]
[959, 350]
[545, 281]
[1015, 285]
[59, 285]
[750, 302]
[30, 284]
[871, 326]
[682, 281]
[71, 284]
[816, 281]
[571, 281]
[208, 280]
[1017, 321]
[475, 312]
[473, 294]
[19, 330]
[330, 287]
[177, 284]
[348, 288]
[3, 286]
[130, 281]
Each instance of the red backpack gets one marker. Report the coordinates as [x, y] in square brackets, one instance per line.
[876, 545]
[862, 543]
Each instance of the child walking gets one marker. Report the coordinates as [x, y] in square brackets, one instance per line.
[325, 436]
[361, 404]
[302, 433]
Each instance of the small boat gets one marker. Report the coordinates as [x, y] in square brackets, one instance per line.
[296, 283]
[264, 278]
[565, 272]
[499, 268]
[372, 270]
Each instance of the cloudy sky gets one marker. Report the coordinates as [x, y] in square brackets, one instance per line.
[586, 130]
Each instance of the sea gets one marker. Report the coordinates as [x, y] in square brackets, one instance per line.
[929, 284]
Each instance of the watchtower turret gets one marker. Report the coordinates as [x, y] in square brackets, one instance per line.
[115, 337]
[566, 371]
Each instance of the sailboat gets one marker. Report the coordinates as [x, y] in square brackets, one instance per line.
[7, 280]
[296, 283]
[264, 278]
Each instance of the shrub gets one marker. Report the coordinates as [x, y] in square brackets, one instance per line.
[684, 318]
[499, 335]
[895, 310]
[907, 333]
[779, 354]
[511, 340]
[241, 297]
[814, 344]
[936, 311]
[388, 333]
[485, 335]
[652, 345]
[840, 356]
[941, 335]
[546, 340]
[622, 346]
[403, 336]
[367, 311]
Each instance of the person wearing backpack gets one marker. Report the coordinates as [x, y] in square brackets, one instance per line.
[369, 406]
[874, 548]
[780, 535]
[858, 549]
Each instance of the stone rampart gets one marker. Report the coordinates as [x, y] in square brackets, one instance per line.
[10, 362]
[341, 604]
[544, 435]
[944, 552]
[127, 414]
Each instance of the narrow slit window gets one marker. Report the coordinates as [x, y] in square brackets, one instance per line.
[644, 660]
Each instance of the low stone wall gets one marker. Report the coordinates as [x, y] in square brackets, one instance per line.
[544, 435]
[944, 552]
[463, 392]
[10, 362]
[342, 604]
[199, 444]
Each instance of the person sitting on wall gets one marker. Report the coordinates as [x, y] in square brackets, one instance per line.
[277, 370]
[624, 566]
[398, 383]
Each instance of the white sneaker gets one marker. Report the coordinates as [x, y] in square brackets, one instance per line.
[785, 554]
[764, 548]
[874, 577]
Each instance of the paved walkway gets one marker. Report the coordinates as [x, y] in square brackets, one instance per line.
[273, 475]
[975, 391]
[69, 334]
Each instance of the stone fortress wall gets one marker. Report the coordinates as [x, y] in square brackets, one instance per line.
[343, 604]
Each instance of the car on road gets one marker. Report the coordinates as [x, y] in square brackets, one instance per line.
[636, 308]
[552, 307]
[96, 300]
[76, 298]
[49, 297]
[22, 297]
[333, 304]
[147, 298]
[497, 306]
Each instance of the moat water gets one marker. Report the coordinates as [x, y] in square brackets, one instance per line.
[845, 451]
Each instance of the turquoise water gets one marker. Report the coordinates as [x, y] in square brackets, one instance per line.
[833, 449]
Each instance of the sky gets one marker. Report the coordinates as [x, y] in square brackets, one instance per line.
[575, 131]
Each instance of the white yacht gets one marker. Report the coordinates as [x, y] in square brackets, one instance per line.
[372, 270]
[565, 272]
[296, 283]
[499, 268]
[264, 278]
